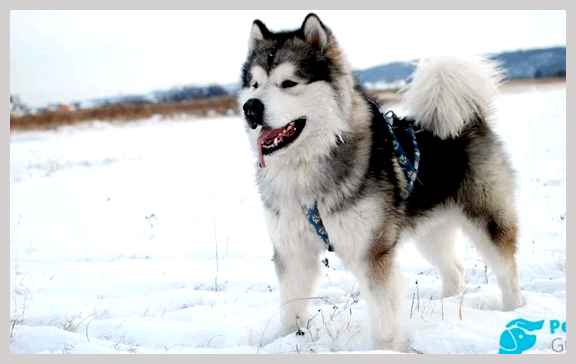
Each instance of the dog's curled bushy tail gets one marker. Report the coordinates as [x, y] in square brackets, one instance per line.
[446, 93]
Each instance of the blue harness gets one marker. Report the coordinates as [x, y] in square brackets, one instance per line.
[401, 131]
[403, 137]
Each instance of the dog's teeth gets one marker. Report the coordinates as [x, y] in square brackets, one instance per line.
[269, 144]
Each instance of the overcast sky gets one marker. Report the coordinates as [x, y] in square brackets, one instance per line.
[62, 56]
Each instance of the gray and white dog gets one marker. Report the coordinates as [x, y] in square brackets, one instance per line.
[321, 141]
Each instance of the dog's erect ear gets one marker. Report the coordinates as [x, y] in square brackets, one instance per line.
[259, 32]
[315, 32]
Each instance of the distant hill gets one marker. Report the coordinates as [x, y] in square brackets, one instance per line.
[533, 63]
[389, 74]
[520, 64]
[172, 95]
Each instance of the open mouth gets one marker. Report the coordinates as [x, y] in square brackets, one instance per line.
[271, 140]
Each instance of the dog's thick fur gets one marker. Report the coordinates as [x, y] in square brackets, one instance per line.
[343, 160]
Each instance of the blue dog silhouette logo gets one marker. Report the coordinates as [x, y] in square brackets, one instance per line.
[515, 339]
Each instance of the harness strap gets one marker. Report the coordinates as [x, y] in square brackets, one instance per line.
[313, 216]
[403, 130]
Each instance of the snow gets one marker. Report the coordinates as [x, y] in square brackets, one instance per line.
[148, 237]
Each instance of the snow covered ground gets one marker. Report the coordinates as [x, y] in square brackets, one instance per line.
[148, 237]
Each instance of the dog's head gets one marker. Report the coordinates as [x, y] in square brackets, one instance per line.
[296, 91]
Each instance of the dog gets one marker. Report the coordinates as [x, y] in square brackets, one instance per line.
[329, 176]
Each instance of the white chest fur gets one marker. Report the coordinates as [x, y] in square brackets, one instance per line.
[351, 231]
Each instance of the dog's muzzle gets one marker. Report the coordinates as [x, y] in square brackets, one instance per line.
[254, 112]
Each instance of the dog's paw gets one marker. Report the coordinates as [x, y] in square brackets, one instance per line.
[453, 288]
[271, 331]
[512, 302]
[390, 344]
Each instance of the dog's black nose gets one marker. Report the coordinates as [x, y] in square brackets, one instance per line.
[254, 112]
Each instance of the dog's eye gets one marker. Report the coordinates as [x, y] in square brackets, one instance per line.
[255, 85]
[288, 84]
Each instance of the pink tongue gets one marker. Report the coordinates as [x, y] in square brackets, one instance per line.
[265, 135]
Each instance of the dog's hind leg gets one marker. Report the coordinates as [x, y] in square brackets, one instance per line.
[436, 244]
[495, 238]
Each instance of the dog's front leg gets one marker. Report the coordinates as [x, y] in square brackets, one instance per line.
[297, 268]
[297, 262]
